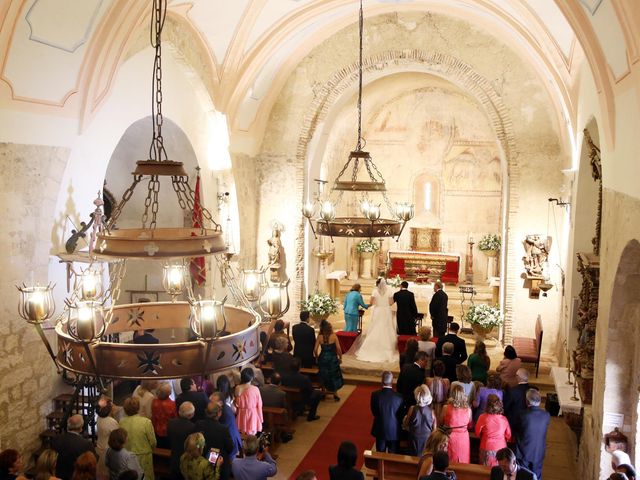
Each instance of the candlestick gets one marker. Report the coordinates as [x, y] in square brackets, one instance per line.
[575, 386]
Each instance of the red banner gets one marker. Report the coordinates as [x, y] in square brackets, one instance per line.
[197, 266]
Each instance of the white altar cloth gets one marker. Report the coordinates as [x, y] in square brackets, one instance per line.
[565, 392]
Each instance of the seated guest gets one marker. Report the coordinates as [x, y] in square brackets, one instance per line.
[463, 375]
[449, 361]
[85, 467]
[479, 362]
[278, 332]
[255, 465]
[45, 466]
[304, 339]
[178, 429]
[228, 419]
[459, 346]
[412, 376]
[508, 367]
[426, 344]
[439, 388]
[311, 397]
[118, 459]
[70, 445]
[440, 466]
[515, 399]
[271, 393]
[509, 468]
[141, 439]
[457, 416]
[11, 465]
[248, 404]
[191, 394]
[494, 431]
[409, 354]
[163, 409]
[345, 469]
[216, 436]
[438, 441]
[193, 465]
[493, 387]
[281, 359]
[258, 376]
[420, 420]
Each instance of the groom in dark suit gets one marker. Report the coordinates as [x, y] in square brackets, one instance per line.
[407, 310]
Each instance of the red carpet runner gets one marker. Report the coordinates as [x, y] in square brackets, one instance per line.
[351, 422]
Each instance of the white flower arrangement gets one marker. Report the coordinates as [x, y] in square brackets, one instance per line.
[367, 246]
[395, 281]
[490, 241]
[484, 315]
[320, 304]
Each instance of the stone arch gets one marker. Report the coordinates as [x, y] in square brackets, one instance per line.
[460, 74]
[622, 378]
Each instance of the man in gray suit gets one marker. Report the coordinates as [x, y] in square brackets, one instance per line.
[271, 393]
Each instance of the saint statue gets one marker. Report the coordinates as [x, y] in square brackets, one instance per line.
[536, 253]
[277, 261]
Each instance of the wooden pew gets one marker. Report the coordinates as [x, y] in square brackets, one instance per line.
[313, 374]
[391, 466]
[162, 462]
[278, 421]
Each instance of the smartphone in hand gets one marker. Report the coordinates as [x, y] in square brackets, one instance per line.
[214, 454]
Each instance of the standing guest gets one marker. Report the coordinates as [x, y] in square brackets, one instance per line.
[440, 466]
[216, 436]
[508, 468]
[145, 394]
[347, 458]
[248, 404]
[621, 463]
[310, 396]
[178, 429]
[304, 340]
[450, 364]
[329, 355]
[439, 388]
[70, 446]
[118, 459]
[515, 399]
[278, 332]
[459, 345]
[493, 387]
[438, 441]
[228, 419]
[463, 375]
[104, 426]
[386, 406]
[457, 417]
[129, 475]
[46, 465]
[531, 440]
[426, 344]
[479, 362]
[281, 359]
[407, 310]
[352, 302]
[141, 440]
[307, 475]
[223, 386]
[193, 465]
[256, 465]
[412, 376]
[618, 476]
[145, 337]
[163, 409]
[508, 367]
[191, 394]
[272, 395]
[494, 431]
[438, 310]
[409, 354]
[420, 420]
[204, 384]
[11, 465]
[85, 467]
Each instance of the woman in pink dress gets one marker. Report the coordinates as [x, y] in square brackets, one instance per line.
[508, 367]
[494, 431]
[457, 417]
[248, 404]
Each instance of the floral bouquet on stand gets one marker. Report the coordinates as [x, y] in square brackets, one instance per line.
[367, 246]
[483, 318]
[319, 305]
[489, 243]
[395, 281]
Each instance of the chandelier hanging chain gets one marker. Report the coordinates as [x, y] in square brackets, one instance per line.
[159, 13]
[360, 145]
[151, 201]
[125, 198]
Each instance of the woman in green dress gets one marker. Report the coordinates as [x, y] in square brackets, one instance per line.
[193, 465]
[141, 437]
[479, 363]
[329, 355]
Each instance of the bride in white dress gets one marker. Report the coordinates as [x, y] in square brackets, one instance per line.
[379, 343]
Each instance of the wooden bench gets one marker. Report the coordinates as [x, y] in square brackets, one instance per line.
[391, 466]
[162, 462]
[278, 421]
[529, 349]
[313, 374]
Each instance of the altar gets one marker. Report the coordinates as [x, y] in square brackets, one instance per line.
[424, 267]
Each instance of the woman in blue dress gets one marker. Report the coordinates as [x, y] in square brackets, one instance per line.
[329, 355]
[352, 301]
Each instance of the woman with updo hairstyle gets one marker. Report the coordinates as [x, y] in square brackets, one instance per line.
[508, 367]
[163, 409]
[85, 467]
[10, 465]
[409, 354]
[438, 441]
[193, 465]
[439, 388]
[329, 354]
[463, 375]
[479, 362]
[494, 386]
[494, 431]
[105, 424]
[456, 418]
[46, 465]
[427, 345]
[248, 404]
[118, 459]
[141, 437]
[420, 420]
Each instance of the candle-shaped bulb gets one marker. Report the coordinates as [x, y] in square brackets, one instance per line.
[307, 209]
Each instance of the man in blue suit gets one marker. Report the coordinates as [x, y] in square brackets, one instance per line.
[531, 437]
[352, 301]
[508, 467]
[386, 406]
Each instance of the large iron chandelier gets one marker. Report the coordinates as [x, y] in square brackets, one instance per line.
[87, 329]
[370, 224]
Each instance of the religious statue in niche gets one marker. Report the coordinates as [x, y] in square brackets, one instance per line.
[277, 260]
[536, 254]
